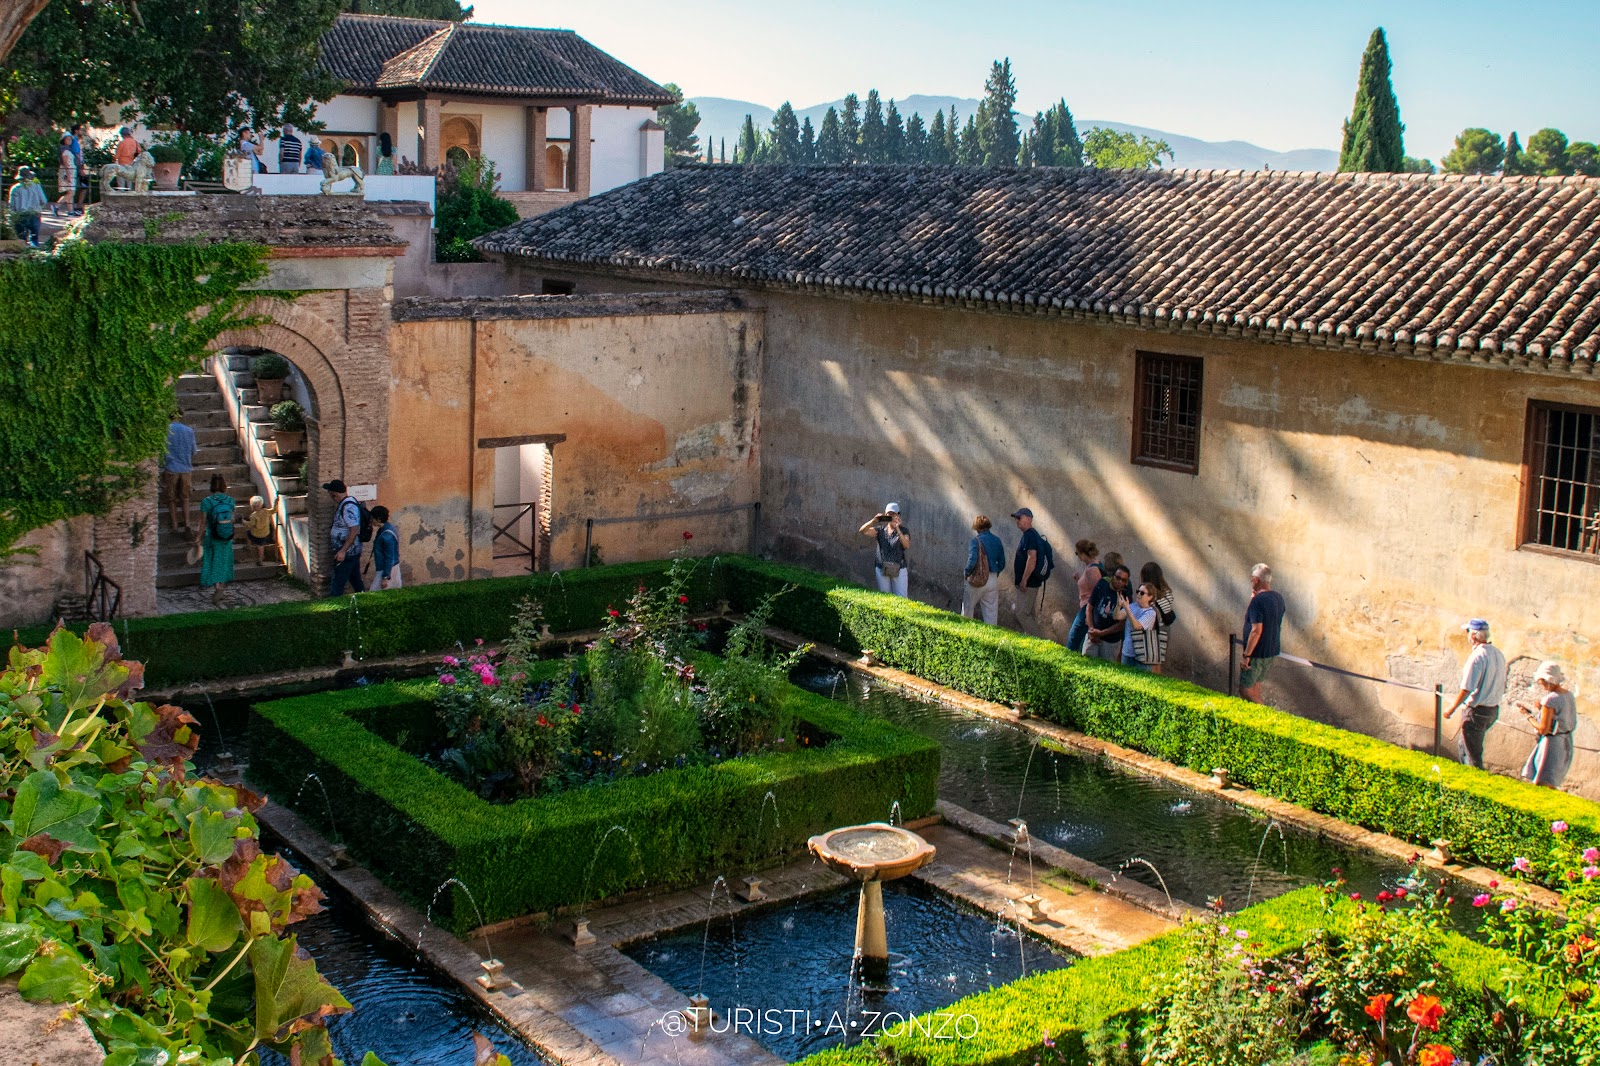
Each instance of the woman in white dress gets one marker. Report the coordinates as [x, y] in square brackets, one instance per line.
[1555, 717]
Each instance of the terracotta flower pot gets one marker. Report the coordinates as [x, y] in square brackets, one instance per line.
[167, 175]
[269, 390]
[289, 440]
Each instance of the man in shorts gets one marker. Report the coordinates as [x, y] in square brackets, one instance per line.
[1263, 629]
[177, 471]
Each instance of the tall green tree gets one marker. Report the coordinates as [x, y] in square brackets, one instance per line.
[808, 142]
[894, 135]
[783, 143]
[1054, 141]
[850, 128]
[916, 139]
[1547, 153]
[969, 149]
[1516, 162]
[998, 139]
[1108, 149]
[205, 66]
[679, 119]
[1584, 158]
[1373, 135]
[872, 130]
[417, 9]
[830, 140]
[938, 150]
[750, 148]
[1476, 151]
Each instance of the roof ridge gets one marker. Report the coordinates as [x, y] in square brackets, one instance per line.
[374, 16]
[518, 29]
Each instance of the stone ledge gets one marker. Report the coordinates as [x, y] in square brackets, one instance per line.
[37, 1034]
[482, 308]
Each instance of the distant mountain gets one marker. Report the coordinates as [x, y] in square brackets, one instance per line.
[722, 118]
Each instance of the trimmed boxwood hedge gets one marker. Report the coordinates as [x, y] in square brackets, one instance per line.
[415, 827]
[1408, 794]
[207, 645]
[1071, 1003]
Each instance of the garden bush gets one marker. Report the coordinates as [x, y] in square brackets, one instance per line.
[1347, 775]
[418, 827]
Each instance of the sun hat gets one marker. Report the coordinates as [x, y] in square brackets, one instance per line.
[1551, 672]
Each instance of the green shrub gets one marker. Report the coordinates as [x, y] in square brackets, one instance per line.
[269, 366]
[166, 153]
[468, 206]
[288, 416]
[418, 827]
[1352, 777]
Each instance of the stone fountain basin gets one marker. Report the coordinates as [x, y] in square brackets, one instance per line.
[874, 852]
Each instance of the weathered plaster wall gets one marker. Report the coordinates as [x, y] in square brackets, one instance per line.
[31, 584]
[1383, 492]
[659, 412]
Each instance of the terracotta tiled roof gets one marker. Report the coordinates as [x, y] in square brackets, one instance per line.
[1495, 270]
[377, 52]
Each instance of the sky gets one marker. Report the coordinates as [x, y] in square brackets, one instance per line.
[1278, 74]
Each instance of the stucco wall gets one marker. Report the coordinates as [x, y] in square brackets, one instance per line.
[659, 413]
[503, 132]
[1383, 492]
[618, 147]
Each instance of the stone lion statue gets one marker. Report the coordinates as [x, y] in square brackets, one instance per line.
[334, 172]
[135, 176]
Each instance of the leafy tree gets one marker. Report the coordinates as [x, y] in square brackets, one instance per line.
[938, 150]
[205, 66]
[1412, 165]
[1584, 158]
[808, 142]
[872, 130]
[1373, 134]
[1547, 153]
[447, 10]
[1516, 161]
[1476, 151]
[783, 143]
[750, 148]
[469, 206]
[997, 127]
[1054, 141]
[850, 129]
[1109, 150]
[679, 119]
[830, 140]
[916, 139]
[894, 136]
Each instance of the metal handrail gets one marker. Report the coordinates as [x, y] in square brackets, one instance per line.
[104, 595]
[503, 532]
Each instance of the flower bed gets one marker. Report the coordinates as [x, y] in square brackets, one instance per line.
[418, 827]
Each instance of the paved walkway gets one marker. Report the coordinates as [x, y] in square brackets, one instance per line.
[234, 594]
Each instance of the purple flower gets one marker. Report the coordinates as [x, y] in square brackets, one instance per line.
[447, 679]
[1522, 865]
[1482, 899]
[1558, 827]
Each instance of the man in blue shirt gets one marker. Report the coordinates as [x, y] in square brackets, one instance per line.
[1263, 630]
[345, 539]
[1105, 628]
[177, 471]
[1028, 573]
[26, 202]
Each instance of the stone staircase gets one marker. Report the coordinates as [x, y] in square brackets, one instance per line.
[217, 451]
[288, 492]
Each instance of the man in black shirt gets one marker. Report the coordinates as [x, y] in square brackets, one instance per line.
[1028, 574]
[1263, 629]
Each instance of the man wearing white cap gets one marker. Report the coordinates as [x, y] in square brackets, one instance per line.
[890, 562]
[1483, 686]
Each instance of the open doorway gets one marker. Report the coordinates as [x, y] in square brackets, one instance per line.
[523, 471]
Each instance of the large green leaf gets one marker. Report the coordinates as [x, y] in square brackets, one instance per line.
[60, 978]
[211, 834]
[289, 989]
[43, 806]
[214, 922]
[80, 669]
[18, 944]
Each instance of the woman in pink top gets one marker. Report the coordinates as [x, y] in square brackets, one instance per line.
[1089, 574]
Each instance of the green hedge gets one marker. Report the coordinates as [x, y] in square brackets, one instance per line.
[1072, 1003]
[417, 827]
[1352, 777]
[207, 645]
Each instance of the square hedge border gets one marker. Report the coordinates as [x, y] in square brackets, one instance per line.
[419, 827]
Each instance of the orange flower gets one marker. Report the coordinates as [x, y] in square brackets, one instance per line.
[1378, 1006]
[1574, 954]
[1426, 1012]
[1436, 1055]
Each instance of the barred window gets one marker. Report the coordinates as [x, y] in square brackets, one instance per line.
[1166, 414]
[1563, 482]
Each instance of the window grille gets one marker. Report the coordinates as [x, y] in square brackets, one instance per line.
[1563, 477]
[1166, 416]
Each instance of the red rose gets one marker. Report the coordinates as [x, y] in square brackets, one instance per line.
[683, 599]
[687, 535]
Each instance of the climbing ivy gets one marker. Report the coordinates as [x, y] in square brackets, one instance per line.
[92, 338]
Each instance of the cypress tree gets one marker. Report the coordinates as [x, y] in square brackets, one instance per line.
[997, 125]
[1373, 134]
[952, 138]
[724, 149]
[850, 129]
[936, 151]
[873, 133]
[894, 135]
[1055, 141]
[749, 149]
[830, 140]
[783, 143]
[1516, 162]
[969, 150]
[808, 142]
[916, 140]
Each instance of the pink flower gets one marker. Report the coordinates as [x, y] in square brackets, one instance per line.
[1385, 896]
[1481, 899]
[1508, 905]
[1521, 865]
[1493, 884]
[1400, 893]
[1590, 873]
[1591, 854]
[1558, 827]
[1355, 896]
[451, 660]
[447, 679]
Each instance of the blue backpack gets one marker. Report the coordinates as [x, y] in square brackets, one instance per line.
[220, 521]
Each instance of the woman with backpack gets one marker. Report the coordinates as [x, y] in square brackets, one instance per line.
[986, 557]
[1150, 574]
[216, 538]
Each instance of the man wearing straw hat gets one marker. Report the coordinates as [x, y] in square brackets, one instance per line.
[1483, 686]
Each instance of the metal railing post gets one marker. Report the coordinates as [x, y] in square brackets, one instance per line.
[1438, 719]
[755, 528]
[588, 541]
[1233, 664]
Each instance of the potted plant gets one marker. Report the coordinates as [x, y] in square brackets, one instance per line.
[169, 165]
[271, 371]
[289, 426]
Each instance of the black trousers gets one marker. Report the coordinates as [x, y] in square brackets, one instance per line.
[1475, 722]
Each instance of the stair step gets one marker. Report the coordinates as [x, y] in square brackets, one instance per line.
[198, 420]
[190, 575]
[196, 384]
[175, 557]
[209, 455]
[215, 437]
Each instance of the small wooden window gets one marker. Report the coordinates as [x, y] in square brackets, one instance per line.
[1562, 506]
[1166, 412]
